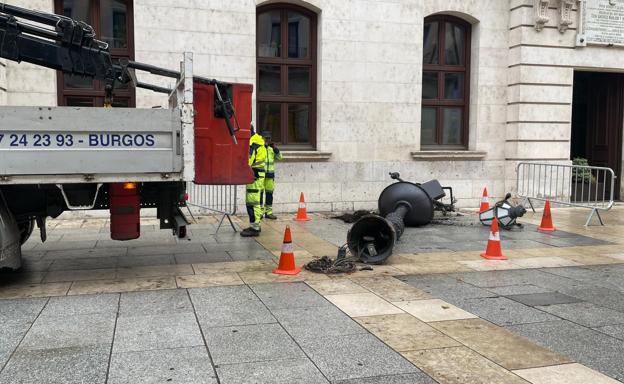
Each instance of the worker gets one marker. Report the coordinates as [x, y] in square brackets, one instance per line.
[273, 154]
[253, 196]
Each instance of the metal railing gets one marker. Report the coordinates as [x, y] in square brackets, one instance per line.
[220, 199]
[572, 185]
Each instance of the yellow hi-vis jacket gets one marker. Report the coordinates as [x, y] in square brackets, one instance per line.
[273, 154]
[257, 153]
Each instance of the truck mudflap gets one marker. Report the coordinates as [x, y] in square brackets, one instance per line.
[10, 250]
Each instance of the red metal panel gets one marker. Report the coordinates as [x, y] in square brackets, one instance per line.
[217, 159]
[124, 204]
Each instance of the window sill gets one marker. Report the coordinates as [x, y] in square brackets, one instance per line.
[293, 156]
[448, 155]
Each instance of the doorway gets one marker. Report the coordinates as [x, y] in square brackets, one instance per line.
[598, 121]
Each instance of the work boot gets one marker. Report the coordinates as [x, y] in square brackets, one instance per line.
[250, 232]
[270, 216]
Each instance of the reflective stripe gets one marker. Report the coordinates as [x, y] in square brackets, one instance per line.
[253, 190]
[288, 248]
[494, 236]
[484, 199]
[270, 175]
[302, 205]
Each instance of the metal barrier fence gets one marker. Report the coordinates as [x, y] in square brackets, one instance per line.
[220, 199]
[573, 185]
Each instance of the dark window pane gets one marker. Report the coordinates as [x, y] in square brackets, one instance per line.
[114, 23]
[299, 81]
[428, 126]
[298, 123]
[75, 81]
[269, 82]
[430, 85]
[269, 34]
[454, 86]
[430, 43]
[454, 41]
[269, 119]
[451, 132]
[298, 35]
[78, 10]
[72, 101]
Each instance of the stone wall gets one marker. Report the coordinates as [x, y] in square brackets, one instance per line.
[369, 88]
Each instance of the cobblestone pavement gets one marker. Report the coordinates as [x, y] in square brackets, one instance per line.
[207, 309]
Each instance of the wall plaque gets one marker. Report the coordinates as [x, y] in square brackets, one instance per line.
[601, 22]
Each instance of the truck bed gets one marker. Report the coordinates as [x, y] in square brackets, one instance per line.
[44, 145]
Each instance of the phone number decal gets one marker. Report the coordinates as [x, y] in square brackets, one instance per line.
[91, 140]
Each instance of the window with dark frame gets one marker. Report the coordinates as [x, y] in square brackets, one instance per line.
[112, 21]
[286, 75]
[445, 83]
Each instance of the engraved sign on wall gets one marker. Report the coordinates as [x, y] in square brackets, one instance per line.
[601, 22]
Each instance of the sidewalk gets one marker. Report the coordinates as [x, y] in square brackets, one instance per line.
[212, 310]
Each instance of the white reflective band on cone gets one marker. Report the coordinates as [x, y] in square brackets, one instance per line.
[484, 199]
[301, 205]
[288, 248]
[494, 236]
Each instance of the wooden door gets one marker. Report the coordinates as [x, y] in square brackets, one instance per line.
[605, 122]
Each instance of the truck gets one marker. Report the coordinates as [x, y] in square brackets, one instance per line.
[57, 159]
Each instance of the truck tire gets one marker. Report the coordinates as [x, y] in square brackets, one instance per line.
[26, 229]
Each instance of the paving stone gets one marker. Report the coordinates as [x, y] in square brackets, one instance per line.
[448, 288]
[403, 332]
[142, 333]
[229, 305]
[518, 290]
[459, 365]
[336, 286]
[616, 331]
[586, 314]
[288, 295]
[363, 304]
[412, 378]
[202, 257]
[154, 302]
[544, 262]
[121, 285]
[250, 343]
[208, 280]
[86, 253]
[564, 374]
[302, 323]
[300, 371]
[81, 305]
[20, 309]
[391, 289]
[433, 310]
[495, 278]
[576, 273]
[11, 333]
[502, 311]
[605, 297]
[591, 348]
[22, 291]
[251, 255]
[180, 365]
[53, 366]
[70, 331]
[498, 344]
[575, 241]
[355, 356]
[82, 264]
[80, 275]
[541, 299]
[143, 261]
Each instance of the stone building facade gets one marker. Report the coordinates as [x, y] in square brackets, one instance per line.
[522, 59]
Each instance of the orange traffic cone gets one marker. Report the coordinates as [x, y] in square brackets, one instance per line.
[287, 258]
[302, 213]
[547, 224]
[493, 250]
[485, 203]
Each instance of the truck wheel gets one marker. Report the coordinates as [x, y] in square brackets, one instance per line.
[26, 229]
[182, 232]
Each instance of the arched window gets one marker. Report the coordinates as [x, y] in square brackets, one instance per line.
[286, 74]
[446, 74]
